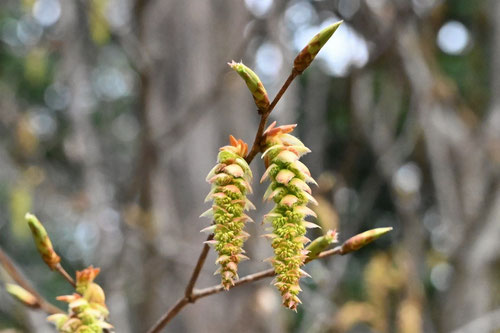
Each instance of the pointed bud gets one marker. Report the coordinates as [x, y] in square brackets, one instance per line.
[253, 83]
[42, 241]
[309, 52]
[22, 295]
[356, 242]
[320, 244]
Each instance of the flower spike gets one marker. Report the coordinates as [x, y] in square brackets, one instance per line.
[230, 180]
[291, 195]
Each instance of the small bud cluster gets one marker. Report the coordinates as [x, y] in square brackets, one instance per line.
[87, 309]
[290, 192]
[230, 180]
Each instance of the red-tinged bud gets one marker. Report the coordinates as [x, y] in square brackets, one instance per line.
[254, 84]
[85, 277]
[309, 52]
[42, 241]
[22, 295]
[356, 242]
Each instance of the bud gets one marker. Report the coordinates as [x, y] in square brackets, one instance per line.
[85, 277]
[42, 241]
[22, 295]
[356, 242]
[309, 52]
[253, 83]
[320, 244]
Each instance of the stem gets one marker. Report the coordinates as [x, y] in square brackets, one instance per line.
[182, 302]
[257, 143]
[18, 277]
[197, 269]
[65, 274]
[217, 289]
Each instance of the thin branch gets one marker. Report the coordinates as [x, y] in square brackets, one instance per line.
[218, 288]
[197, 269]
[182, 302]
[257, 143]
[19, 278]
[65, 275]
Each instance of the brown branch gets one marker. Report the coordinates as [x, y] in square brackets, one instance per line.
[19, 278]
[196, 294]
[197, 269]
[257, 143]
[65, 275]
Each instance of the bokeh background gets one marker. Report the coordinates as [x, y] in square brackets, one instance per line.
[112, 112]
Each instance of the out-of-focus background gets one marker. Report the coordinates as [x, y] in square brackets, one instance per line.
[112, 112]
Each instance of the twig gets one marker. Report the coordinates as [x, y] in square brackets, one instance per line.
[19, 278]
[65, 274]
[257, 143]
[182, 302]
[197, 269]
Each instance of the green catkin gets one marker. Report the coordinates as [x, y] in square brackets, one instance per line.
[230, 180]
[291, 194]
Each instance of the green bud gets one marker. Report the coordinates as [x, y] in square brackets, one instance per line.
[22, 295]
[356, 242]
[42, 241]
[320, 244]
[309, 52]
[253, 83]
